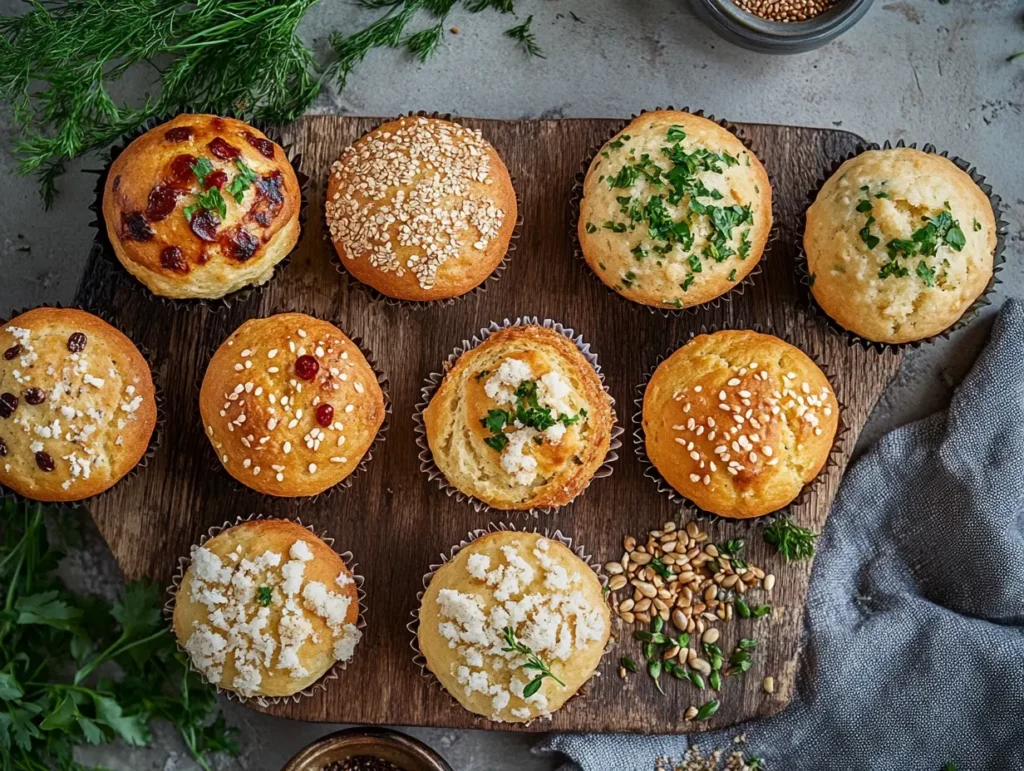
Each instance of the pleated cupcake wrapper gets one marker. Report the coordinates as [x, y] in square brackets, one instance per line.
[378, 296]
[999, 259]
[691, 509]
[330, 674]
[216, 467]
[492, 527]
[576, 197]
[101, 245]
[159, 427]
[433, 382]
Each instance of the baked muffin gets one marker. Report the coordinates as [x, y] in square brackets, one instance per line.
[201, 206]
[738, 422]
[675, 210]
[899, 244]
[421, 209]
[77, 405]
[290, 405]
[504, 599]
[521, 421]
[265, 608]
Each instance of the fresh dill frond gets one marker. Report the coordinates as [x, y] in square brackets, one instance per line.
[790, 540]
[424, 43]
[524, 35]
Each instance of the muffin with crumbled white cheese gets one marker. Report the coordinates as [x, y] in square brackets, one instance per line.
[77, 405]
[266, 608]
[521, 421]
[513, 625]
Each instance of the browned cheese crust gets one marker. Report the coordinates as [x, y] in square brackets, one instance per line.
[549, 467]
[201, 206]
[290, 405]
[675, 211]
[77, 405]
[421, 209]
[738, 422]
[248, 617]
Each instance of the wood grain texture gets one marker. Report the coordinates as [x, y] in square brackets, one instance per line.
[392, 518]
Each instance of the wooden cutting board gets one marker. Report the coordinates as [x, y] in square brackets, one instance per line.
[394, 520]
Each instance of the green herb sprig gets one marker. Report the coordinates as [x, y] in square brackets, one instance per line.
[793, 542]
[524, 35]
[533, 661]
[53, 645]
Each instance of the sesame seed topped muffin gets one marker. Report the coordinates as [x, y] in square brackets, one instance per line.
[675, 210]
[521, 421]
[421, 209]
[899, 244]
[266, 608]
[202, 206]
[77, 405]
[290, 405]
[739, 422]
[513, 625]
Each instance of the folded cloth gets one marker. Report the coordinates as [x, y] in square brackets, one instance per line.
[914, 647]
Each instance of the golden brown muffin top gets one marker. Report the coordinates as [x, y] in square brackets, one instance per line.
[77, 404]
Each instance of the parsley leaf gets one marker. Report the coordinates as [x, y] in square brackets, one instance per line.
[202, 168]
[242, 180]
[926, 273]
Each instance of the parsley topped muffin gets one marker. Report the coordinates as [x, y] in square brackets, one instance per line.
[899, 244]
[521, 421]
[675, 211]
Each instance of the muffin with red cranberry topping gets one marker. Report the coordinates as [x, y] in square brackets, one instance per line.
[77, 405]
[202, 206]
[290, 405]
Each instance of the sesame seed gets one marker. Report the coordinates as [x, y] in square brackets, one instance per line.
[312, 468]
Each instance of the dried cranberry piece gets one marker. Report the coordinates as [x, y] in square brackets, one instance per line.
[269, 187]
[178, 134]
[172, 258]
[306, 367]
[240, 244]
[135, 227]
[204, 224]
[13, 351]
[44, 461]
[77, 341]
[8, 404]
[215, 179]
[218, 124]
[3, 448]
[223, 150]
[162, 200]
[181, 167]
[34, 396]
[265, 146]
[324, 415]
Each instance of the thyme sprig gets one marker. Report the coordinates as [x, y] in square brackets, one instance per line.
[533, 661]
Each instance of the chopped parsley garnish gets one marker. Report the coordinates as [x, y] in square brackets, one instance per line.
[865, 206]
[242, 181]
[497, 442]
[639, 251]
[496, 421]
[211, 200]
[732, 274]
[615, 227]
[686, 284]
[865, 234]
[937, 231]
[977, 225]
[675, 134]
[926, 273]
[201, 168]
[591, 227]
[264, 596]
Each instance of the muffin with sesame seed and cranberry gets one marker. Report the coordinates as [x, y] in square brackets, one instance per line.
[266, 608]
[77, 405]
[202, 206]
[738, 422]
[522, 421]
[290, 405]
[676, 211]
[421, 209]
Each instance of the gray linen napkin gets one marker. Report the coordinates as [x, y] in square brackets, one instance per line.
[914, 652]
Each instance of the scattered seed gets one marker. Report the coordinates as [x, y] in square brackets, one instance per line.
[769, 684]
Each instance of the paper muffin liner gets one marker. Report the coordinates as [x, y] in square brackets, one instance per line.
[265, 701]
[216, 467]
[155, 439]
[433, 382]
[493, 527]
[1002, 231]
[576, 197]
[375, 294]
[691, 509]
[102, 247]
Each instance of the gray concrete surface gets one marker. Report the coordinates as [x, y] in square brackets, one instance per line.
[916, 70]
